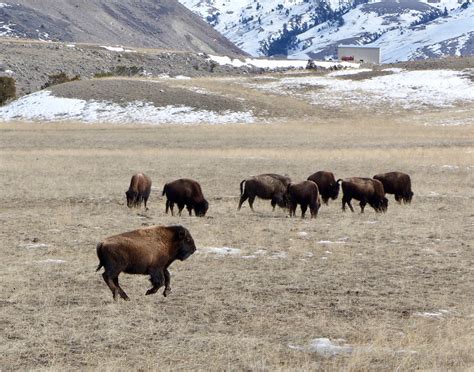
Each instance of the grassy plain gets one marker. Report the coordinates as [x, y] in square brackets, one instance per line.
[367, 279]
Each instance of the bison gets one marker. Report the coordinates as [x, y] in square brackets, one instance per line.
[185, 192]
[306, 194]
[148, 251]
[139, 190]
[265, 186]
[366, 190]
[327, 185]
[397, 183]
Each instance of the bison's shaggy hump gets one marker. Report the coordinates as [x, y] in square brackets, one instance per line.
[366, 190]
[185, 192]
[327, 185]
[148, 251]
[139, 190]
[397, 183]
[305, 194]
[265, 186]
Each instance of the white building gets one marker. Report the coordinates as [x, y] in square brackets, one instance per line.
[359, 53]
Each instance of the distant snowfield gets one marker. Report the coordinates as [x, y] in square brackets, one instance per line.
[43, 106]
[408, 89]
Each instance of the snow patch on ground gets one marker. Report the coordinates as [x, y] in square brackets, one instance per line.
[325, 347]
[409, 89]
[434, 314]
[117, 49]
[330, 242]
[43, 106]
[220, 250]
[348, 72]
[52, 261]
[35, 245]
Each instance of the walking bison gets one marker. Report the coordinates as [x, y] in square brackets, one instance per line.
[185, 192]
[148, 251]
[139, 190]
[265, 186]
[396, 183]
[305, 194]
[327, 185]
[366, 190]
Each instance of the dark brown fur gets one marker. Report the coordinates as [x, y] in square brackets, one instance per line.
[305, 194]
[185, 192]
[327, 185]
[148, 251]
[396, 183]
[139, 190]
[366, 190]
[265, 186]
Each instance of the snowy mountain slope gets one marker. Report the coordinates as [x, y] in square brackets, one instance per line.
[405, 29]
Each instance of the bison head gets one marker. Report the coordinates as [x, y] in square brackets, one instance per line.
[184, 241]
[201, 208]
[131, 198]
[334, 191]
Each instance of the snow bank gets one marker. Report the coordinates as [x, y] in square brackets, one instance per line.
[43, 106]
[273, 64]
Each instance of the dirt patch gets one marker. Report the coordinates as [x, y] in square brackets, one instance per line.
[124, 91]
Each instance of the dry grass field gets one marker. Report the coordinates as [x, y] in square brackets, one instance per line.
[395, 288]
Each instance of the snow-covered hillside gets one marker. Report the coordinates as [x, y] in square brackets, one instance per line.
[404, 29]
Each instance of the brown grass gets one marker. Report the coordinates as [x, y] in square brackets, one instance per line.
[63, 185]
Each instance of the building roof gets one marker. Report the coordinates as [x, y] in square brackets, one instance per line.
[359, 46]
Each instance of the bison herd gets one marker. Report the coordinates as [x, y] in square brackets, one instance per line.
[151, 250]
[281, 191]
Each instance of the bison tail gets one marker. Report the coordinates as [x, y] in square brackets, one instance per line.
[99, 254]
[242, 187]
[164, 190]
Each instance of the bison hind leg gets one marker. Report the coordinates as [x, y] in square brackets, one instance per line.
[304, 208]
[120, 290]
[251, 200]
[110, 282]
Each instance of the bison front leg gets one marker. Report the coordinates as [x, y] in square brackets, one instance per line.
[362, 204]
[157, 279]
[167, 276]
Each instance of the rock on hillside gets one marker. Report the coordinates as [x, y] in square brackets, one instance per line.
[145, 23]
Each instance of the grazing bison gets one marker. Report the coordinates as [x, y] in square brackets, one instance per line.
[397, 183]
[139, 190]
[265, 186]
[366, 190]
[185, 192]
[305, 194]
[327, 185]
[148, 251]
